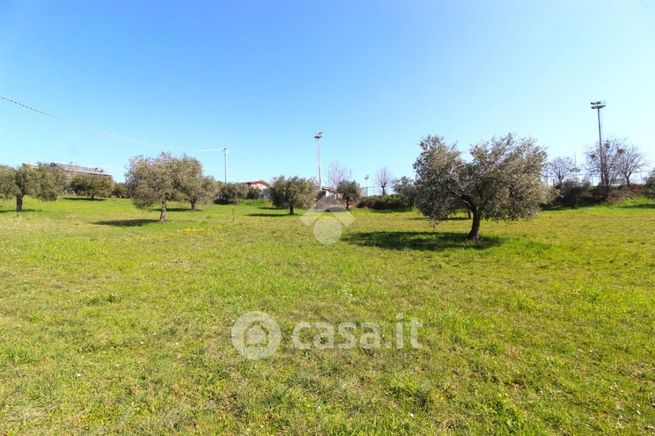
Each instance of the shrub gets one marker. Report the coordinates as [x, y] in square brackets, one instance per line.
[650, 184]
[233, 193]
[573, 194]
[293, 192]
[406, 189]
[119, 191]
[385, 202]
[253, 193]
[91, 185]
[625, 192]
[349, 191]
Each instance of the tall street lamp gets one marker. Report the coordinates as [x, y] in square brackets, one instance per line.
[597, 106]
[318, 137]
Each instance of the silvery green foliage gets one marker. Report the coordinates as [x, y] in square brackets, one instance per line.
[8, 187]
[49, 182]
[91, 185]
[405, 188]
[234, 192]
[152, 181]
[190, 183]
[43, 182]
[349, 191]
[293, 192]
[501, 181]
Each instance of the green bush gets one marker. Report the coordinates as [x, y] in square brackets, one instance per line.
[232, 193]
[385, 202]
[573, 194]
[650, 184]
[253, 193]
[119, 191]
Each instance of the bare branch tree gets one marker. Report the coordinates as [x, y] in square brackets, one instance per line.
[383, 179]
[630, 161]
[337, 174]
[561, 168]
[603, 160]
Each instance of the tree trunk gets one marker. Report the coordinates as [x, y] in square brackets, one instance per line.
[468, 213]
[290, 208]
[19, 203]
[474, 234]
[627, 180]
[384, 190]
[162, 215]
[193, 204]
[347, 204]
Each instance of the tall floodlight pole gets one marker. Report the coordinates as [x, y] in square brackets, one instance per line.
[366, 184]
[597, 106]
[225, 162]
[318, 137]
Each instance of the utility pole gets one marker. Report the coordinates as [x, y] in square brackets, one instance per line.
[366, 184]
[598, 105]
[318, 137]
[225, 162]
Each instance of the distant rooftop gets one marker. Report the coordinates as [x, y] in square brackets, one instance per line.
[72, 168]
[257, 182]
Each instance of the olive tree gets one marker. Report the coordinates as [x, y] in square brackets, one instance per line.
[293, 192]
[211, 189]
[91, 185]
[501, 181]
[233, 192]
[43, 182]
[190, 182]
[405, 188]
[152, 181]
[349, 191]
[119, 190]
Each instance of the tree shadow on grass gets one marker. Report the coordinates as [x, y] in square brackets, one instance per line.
[175, 209]
[22, 211]
[639, 206]
[268, 215]
[126, 223]
[450, 218]
[83, 199]
[383, 211]
[428, 241]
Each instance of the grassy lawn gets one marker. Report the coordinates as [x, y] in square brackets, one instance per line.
[112, 322]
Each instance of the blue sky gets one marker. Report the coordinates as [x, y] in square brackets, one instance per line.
[262, 77]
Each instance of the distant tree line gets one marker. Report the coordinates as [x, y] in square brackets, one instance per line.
[615, 162]
[502, 180]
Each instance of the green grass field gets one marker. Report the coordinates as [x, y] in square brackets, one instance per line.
[112, 322]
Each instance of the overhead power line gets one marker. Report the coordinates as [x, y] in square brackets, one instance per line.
[104, 132]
